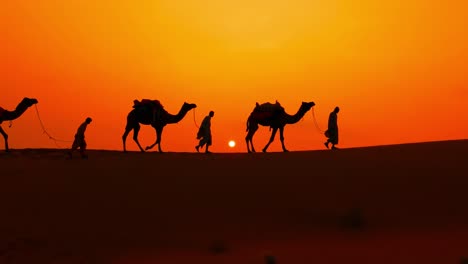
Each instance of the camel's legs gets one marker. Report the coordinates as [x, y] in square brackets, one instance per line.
[158, 131]
[128, 128]
[247, 142]
[281, 129]
[136, 130]
[249, 138]
[273, 134]
[251, 144]
[159, 134]
[155, 141]
[5, 136]
[124, 137]
[251, 141]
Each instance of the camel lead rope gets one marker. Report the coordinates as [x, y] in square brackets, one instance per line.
[45, 131]
[315, 122]
[194, 120]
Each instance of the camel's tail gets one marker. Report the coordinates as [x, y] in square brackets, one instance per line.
[248, 119]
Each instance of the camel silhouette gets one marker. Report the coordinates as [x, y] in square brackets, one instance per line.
[274, 116]
[6, 115]
[144, 115]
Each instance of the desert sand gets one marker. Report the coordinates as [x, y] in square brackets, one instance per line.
[386, 204]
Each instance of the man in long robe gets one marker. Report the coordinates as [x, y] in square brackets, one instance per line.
[332, 131]
[79, 141]
[204, 133]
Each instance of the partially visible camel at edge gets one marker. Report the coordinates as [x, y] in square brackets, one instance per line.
[6, 115]
[274, 121]
[144, 116]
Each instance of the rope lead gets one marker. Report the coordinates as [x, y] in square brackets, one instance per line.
[194, 120]
[44, 131]
[315, 122]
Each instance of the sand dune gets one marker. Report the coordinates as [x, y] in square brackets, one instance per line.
[388, 204]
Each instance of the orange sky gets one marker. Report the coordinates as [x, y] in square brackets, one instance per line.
[397, 69]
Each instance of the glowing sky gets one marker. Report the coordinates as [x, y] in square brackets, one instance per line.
[397, 69]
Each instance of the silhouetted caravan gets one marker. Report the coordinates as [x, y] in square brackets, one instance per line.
[274, 116]
[142, 114]
[6, 115]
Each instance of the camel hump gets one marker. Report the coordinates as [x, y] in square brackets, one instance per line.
[143, 102]
[269, 107]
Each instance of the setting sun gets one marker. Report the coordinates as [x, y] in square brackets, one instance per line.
[232, 143]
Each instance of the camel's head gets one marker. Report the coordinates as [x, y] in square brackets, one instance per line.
[188, 106]
[29, 101]
[307, 105]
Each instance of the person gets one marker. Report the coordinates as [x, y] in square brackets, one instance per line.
[332, 131]
[79, 141]
[204, 133]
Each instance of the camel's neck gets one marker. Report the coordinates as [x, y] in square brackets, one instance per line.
[12, 115]
[172, 119]
[292, 119]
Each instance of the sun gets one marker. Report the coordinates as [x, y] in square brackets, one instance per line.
[232, 143]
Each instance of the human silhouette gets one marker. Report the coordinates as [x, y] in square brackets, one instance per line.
[332, 131]
[79, 141]
[154, 105]
[204, 133]
[6, 115]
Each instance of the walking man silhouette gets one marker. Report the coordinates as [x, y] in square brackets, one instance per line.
[79, 141]
[204, 133]
[332, 131]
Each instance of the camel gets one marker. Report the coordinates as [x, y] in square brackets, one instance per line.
[274, 117]
[6, 115]
[144, 115]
